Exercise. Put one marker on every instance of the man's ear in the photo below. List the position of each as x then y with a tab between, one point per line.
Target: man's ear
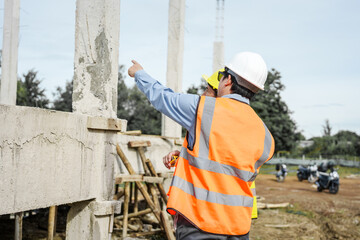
228	81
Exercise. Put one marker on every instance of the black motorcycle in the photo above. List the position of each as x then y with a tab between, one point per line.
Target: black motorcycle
281	172
309	173
329	181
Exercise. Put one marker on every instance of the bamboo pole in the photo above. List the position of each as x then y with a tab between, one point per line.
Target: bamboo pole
154	195
18	225
131	215
139	185
167	226
136	201
143	160
126	209
160	186
52	222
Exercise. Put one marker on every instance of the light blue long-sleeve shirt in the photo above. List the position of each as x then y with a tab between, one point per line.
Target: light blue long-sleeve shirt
178	106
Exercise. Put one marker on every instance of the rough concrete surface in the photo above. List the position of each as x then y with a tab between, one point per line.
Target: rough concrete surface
96	57
49	158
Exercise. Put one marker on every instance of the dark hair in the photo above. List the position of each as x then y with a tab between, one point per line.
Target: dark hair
215	90
238	89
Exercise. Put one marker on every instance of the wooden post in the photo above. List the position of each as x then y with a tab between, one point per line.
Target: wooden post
160	186
143	160
126	209
167	226
136	201
18	225
154	195
139	185
52	222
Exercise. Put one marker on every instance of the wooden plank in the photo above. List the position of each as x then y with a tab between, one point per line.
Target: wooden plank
126	209
178	142
128	178
138	178
139	185
272	205
167	226
132	133
139	144
110	124
153	179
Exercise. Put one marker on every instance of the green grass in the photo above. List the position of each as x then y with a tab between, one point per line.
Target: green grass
297	210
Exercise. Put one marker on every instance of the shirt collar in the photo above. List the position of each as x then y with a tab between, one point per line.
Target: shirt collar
238	97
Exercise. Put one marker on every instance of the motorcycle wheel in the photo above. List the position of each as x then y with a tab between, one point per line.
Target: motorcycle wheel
311	179
299	176
280	178
319	188
334	188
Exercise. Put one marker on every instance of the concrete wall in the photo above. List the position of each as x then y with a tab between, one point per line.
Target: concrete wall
50	158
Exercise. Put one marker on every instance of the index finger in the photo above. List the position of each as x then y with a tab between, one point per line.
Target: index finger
134	62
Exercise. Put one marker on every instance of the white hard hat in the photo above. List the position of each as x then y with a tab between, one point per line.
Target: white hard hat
251	67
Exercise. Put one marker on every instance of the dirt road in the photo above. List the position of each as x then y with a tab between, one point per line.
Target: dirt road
312	215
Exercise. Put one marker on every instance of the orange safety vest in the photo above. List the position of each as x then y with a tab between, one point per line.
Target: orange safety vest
212	178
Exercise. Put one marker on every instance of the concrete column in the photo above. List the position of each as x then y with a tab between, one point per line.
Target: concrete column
96	57
95	94
10	52
174	60
218	56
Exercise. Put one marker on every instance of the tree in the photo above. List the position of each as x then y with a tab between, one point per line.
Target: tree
327	128
123	95
197	89
29	92
63	98
134	106
270	107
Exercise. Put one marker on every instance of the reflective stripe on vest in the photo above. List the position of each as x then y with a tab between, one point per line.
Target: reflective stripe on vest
209	196
212	166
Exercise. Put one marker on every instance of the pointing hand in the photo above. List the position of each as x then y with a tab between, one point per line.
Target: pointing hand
134	68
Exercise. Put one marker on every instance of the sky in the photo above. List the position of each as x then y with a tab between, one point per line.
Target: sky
315	45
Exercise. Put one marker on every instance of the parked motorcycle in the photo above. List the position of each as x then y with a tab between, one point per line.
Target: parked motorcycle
310	173
281	172
329	181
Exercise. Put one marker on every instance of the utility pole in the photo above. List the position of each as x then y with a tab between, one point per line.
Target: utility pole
218	51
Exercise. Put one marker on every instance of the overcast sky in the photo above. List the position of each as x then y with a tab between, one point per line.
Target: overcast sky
315	45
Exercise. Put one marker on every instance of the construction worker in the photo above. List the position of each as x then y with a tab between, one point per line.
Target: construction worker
224	148
210	91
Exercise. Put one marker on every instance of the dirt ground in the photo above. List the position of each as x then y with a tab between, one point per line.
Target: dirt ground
311	215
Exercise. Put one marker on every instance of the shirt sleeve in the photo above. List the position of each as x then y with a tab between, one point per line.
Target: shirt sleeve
178	106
